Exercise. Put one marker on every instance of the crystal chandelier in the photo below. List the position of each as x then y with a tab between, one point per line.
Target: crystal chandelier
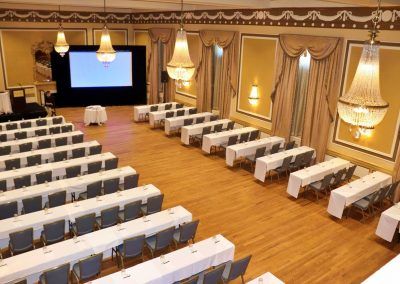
106	52
181	67
362	106
254	96
61	46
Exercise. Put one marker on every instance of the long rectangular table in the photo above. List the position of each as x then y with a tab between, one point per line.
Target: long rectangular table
389	223
30	132
47	154
347	194
49	121
270	162
30	264
196	129
237	151
70	211
216	139
74	185
57	168
177	265
35	140
314	173
175	123
139	111
159	115
387	274
267	278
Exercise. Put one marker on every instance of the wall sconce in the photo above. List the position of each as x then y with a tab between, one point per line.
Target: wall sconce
254	97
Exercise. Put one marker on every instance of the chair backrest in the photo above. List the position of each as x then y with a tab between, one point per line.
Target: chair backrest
206	130
3	137
132	210
391	193
260	152
41	122
5	150
350	172
40	132
20	182
78	153
200	119
187	231
232	140
133	246
93	189
275	148
60	156
214	117
218	127
94	167
34	160
57	199
244	137
43	177
25	147
3	185
169	114
44	144
21	241
90	266
66	128
32	204
109	217
180	112
326	181
231	125
153	108
111	164
286	163
55	130
164	238
290	145
20	135
338	176
375	197
59	275
85	224
193	111
178	106
77	138
298	160
214	276
238	268
8	210
307	159
25	124
13	164
111	185
57	120
11	126
254	135
188	121
54	231
61	141
73	171
95	150
131	181
154	204
167	106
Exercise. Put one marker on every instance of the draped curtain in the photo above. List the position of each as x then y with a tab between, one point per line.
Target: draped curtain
396	174
229	42
167	38
322	89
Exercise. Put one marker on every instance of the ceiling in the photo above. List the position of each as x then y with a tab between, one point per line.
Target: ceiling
171	5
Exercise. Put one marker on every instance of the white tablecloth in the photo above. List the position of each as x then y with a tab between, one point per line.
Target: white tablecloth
179	265
95	114
315	173
5	103
57	168
35	140
388	223
71	185
249	148
70	211
30	132
158	115
270	162
216	139
351	192
138	111
47	154
268	278
175	123
32	263
49	120
387	274
196	129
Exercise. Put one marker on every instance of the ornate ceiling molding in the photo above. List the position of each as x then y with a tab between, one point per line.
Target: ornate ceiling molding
348	18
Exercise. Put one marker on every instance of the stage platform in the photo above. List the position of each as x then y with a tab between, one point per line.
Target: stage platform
32	110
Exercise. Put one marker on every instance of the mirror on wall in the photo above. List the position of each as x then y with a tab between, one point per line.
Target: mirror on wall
41	61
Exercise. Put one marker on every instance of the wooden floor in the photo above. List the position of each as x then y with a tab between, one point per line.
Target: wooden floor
294	239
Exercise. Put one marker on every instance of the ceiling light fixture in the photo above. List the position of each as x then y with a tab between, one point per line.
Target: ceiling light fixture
61	46
106	53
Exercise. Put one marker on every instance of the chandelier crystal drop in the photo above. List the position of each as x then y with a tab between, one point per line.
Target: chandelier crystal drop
61	46
362	106
181	67
106	53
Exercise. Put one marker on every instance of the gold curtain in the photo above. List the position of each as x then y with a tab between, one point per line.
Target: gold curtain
322	90
229	42
167	38
396	174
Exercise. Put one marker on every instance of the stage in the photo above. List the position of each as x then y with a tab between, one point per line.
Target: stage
31	110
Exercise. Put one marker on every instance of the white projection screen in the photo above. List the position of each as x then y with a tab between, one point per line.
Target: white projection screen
87	72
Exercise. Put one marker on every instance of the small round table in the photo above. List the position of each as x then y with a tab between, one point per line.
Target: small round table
95	114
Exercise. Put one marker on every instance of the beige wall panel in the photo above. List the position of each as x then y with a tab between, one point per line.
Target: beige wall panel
118	37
